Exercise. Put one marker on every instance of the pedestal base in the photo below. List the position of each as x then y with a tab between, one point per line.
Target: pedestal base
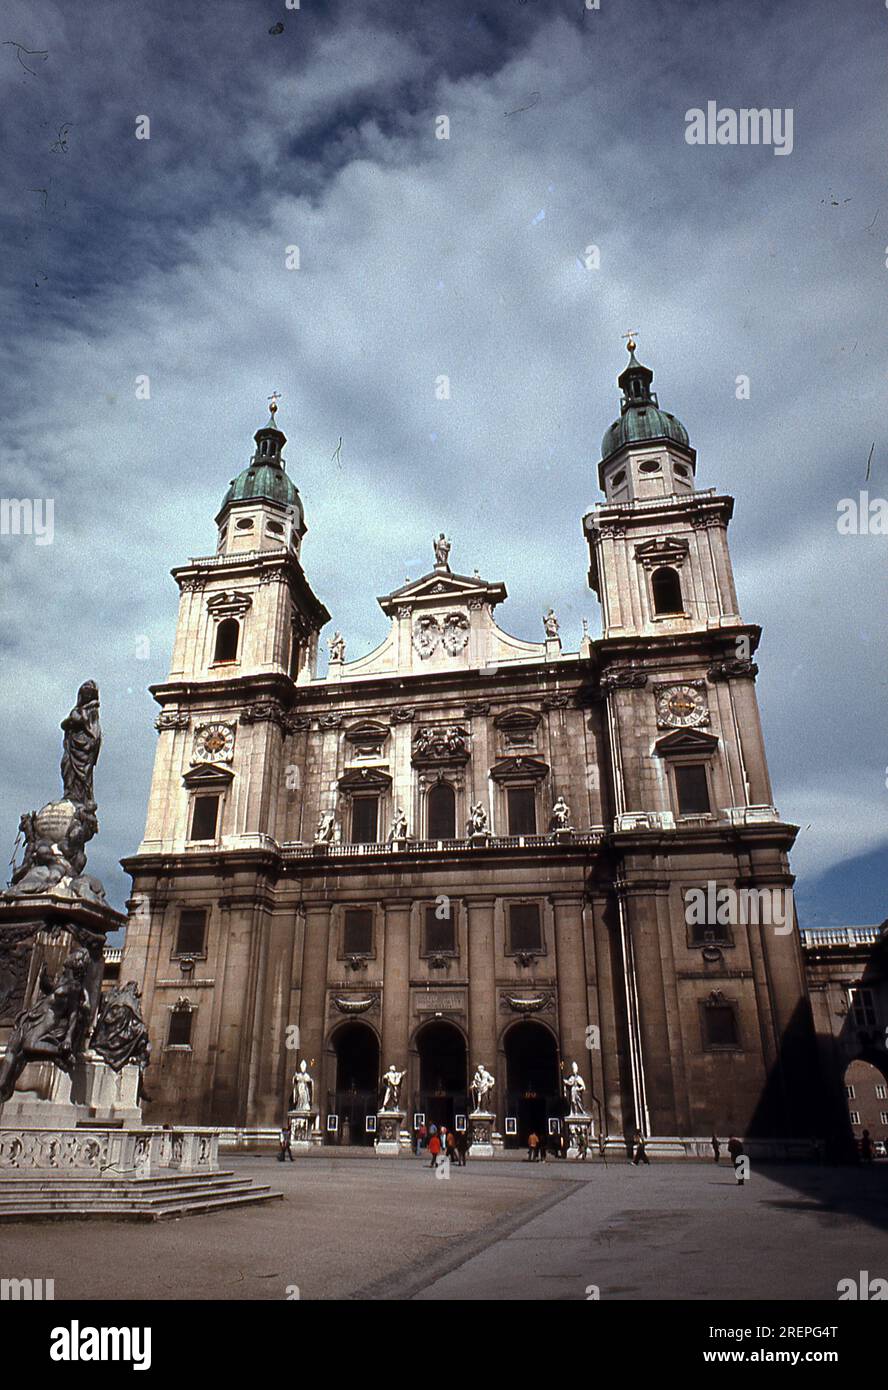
389	1124
481	1124
301	1126
95	1094
580	1131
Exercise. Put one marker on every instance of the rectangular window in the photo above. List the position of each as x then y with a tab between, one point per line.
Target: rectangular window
204	817
440	931
855	1117
191	932
711	908
522	811
365	820
692	789
357	936
179	1034
862	1007
849	1092
883	1117
525	928
881	1093
720	1024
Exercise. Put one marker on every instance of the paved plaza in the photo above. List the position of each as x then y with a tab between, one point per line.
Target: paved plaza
360	1227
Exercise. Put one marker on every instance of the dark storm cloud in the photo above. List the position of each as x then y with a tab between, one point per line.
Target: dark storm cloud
165	257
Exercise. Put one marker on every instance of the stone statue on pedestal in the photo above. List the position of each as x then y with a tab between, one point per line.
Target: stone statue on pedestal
550	623
477	822
574	1086
53	838
482	1085
52	1029
303	1088
326	831
399	826
442	551
392	1098
560	819
337	647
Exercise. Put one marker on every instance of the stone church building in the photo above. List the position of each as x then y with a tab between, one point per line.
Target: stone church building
308	886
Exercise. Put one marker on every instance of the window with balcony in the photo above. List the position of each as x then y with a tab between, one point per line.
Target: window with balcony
521	804
441	812
365	820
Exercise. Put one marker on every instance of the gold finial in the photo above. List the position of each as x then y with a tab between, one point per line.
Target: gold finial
630	340
272	403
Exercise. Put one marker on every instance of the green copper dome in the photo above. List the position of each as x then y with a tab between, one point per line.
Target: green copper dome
641	419
264	478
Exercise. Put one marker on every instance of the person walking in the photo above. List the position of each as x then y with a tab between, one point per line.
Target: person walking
533	1144
434	1147
542	1148
462	1147
867	1149
286	1152
450	1147
421	1135
716	1148
640	1150
738	1158
582	1145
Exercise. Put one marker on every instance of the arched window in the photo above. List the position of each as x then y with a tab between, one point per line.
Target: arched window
666	588
227	637
441	812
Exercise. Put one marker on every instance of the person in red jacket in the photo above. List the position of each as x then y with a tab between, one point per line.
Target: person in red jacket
434	1147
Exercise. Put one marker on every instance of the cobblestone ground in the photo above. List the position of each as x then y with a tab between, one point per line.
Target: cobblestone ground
353	1227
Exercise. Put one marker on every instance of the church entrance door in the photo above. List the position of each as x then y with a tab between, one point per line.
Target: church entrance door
442	1074
533	1093
357	1082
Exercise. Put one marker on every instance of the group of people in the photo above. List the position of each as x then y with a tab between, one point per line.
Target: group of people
442	1144
539	1147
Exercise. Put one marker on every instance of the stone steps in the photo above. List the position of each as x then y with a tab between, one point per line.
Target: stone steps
122	1199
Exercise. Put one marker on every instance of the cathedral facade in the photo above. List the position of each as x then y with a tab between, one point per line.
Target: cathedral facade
464	848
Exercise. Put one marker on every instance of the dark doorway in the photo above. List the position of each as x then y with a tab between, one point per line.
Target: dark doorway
441	807
533	1089
442	1074
357	1082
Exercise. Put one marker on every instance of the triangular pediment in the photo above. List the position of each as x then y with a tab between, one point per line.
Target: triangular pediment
519	769
442	586
662	550
208	775
686	741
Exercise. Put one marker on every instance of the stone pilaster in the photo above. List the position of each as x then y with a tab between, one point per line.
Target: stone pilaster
313	998
396	983
482	990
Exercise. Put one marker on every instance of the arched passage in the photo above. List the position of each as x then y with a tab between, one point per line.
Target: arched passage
357	1081
443	1084
533	1079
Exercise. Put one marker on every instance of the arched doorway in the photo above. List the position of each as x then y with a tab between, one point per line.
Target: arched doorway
443	1085
866	1092
533	1079
357	1082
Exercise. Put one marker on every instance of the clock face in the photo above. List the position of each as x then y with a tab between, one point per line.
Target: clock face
681	706
214	743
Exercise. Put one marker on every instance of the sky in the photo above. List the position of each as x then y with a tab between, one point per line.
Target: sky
169	258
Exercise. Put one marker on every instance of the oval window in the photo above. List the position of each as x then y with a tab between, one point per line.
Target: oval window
245	523
649	466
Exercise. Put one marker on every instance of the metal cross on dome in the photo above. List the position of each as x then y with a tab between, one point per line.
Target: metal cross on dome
630	340
272	402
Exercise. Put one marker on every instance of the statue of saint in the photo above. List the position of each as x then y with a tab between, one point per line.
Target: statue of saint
560	815
482	1085
392	1078
399	826
477	822
550	623
337	647
83	739
53	1028
326	831
303	1088
442	551
120	1034
574	1086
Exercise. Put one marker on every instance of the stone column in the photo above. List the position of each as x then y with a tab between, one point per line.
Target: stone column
396	985
482	991
570	958
656	1051
313	997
